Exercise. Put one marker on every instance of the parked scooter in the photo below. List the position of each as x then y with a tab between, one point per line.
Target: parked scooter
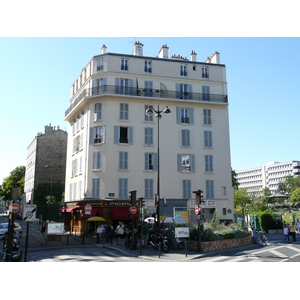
156	238
14	256
179	244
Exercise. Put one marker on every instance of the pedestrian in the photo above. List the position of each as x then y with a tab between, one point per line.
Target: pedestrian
119	232
293	230
298	226
254	233
109	233
145	233
286	233
43	229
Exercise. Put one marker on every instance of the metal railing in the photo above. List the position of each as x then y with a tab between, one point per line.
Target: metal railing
145	92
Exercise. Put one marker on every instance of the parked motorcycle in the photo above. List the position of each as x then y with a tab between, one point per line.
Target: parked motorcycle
14	256
156	238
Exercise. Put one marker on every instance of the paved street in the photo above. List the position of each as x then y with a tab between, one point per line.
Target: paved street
75	251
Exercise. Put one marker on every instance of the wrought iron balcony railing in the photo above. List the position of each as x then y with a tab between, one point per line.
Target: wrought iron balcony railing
142	92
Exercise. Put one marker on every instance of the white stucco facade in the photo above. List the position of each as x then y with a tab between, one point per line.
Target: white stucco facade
113	145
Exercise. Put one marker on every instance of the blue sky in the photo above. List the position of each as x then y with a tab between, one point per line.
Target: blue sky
262	75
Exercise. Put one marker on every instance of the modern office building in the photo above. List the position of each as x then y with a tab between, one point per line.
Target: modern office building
115	147
45	161
256	179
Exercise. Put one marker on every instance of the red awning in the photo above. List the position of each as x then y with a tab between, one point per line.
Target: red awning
92	214
122	213
68	209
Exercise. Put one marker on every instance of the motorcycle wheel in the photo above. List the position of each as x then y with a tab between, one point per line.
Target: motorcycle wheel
180	246
165	248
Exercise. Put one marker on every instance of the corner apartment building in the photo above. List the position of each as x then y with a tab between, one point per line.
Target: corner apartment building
113	144
46	160
256	179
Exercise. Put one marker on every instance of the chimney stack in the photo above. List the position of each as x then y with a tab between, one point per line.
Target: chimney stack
138	48
103	49
163	52
193	56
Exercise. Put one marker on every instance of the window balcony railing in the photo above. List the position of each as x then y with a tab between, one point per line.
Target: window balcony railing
144	92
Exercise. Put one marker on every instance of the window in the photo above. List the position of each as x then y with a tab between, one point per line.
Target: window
148	88
71	192
96	188
123	160
209	163
123	135
79	189
98	112
207	139
80	165
185	138
205	93
209	189
124	113
148	136
124	64
74	167
97	160
149	189
186	189
148	67
150	161
75	190
77	143
124	86
97	135
204	72
207	117
185	115
100	65
183	70
98	86
186	162
223	190
148	118
184	91
224	211
123	188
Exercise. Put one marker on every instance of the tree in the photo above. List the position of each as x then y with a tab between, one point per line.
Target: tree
289	184
241	199
235	183
295	197
16	176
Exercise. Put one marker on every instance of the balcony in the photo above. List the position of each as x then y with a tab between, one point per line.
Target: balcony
144	92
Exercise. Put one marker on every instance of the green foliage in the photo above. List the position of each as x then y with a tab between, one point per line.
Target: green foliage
267	221
235	183
44	191
295	197
16	176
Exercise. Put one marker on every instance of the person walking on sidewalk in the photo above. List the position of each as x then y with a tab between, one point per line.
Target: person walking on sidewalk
286	233
145	233
293	230
119	232
298	226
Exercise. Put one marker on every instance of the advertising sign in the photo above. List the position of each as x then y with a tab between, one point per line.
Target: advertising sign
208	204
55	228
182	232
181	217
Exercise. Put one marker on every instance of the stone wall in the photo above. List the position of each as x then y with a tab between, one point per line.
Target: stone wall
222	244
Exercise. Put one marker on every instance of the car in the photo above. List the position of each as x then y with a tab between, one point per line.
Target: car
4	229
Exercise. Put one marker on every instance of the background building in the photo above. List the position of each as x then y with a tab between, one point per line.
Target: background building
113	144
256	179
46	163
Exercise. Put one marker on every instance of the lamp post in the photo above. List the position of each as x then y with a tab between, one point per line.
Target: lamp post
149	112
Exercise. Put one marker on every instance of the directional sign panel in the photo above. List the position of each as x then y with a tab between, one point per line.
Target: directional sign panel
29	213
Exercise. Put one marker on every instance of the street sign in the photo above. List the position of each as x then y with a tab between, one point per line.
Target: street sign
88	209
133	210
29	213
14	207
196	210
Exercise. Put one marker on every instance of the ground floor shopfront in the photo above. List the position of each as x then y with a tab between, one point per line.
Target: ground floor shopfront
76	216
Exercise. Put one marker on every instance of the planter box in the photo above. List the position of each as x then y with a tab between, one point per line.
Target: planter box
222	244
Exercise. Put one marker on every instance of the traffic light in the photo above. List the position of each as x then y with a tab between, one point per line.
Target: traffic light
142	201
133	197
14	191
198	196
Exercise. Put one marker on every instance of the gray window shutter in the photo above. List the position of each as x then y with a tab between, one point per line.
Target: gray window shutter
192	116
91	135
117	85
178	114
130	135
155	162
179	162
146	156
192	162
116	134
190	91
177	87
131	87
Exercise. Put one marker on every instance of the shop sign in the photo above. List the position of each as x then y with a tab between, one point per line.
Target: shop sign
208	204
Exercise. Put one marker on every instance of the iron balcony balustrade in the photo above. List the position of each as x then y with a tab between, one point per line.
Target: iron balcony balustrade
145	92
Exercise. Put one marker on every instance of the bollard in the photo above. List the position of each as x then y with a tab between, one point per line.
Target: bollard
98	237
159	247
185	246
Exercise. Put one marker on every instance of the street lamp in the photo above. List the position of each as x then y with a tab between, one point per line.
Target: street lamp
149	112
